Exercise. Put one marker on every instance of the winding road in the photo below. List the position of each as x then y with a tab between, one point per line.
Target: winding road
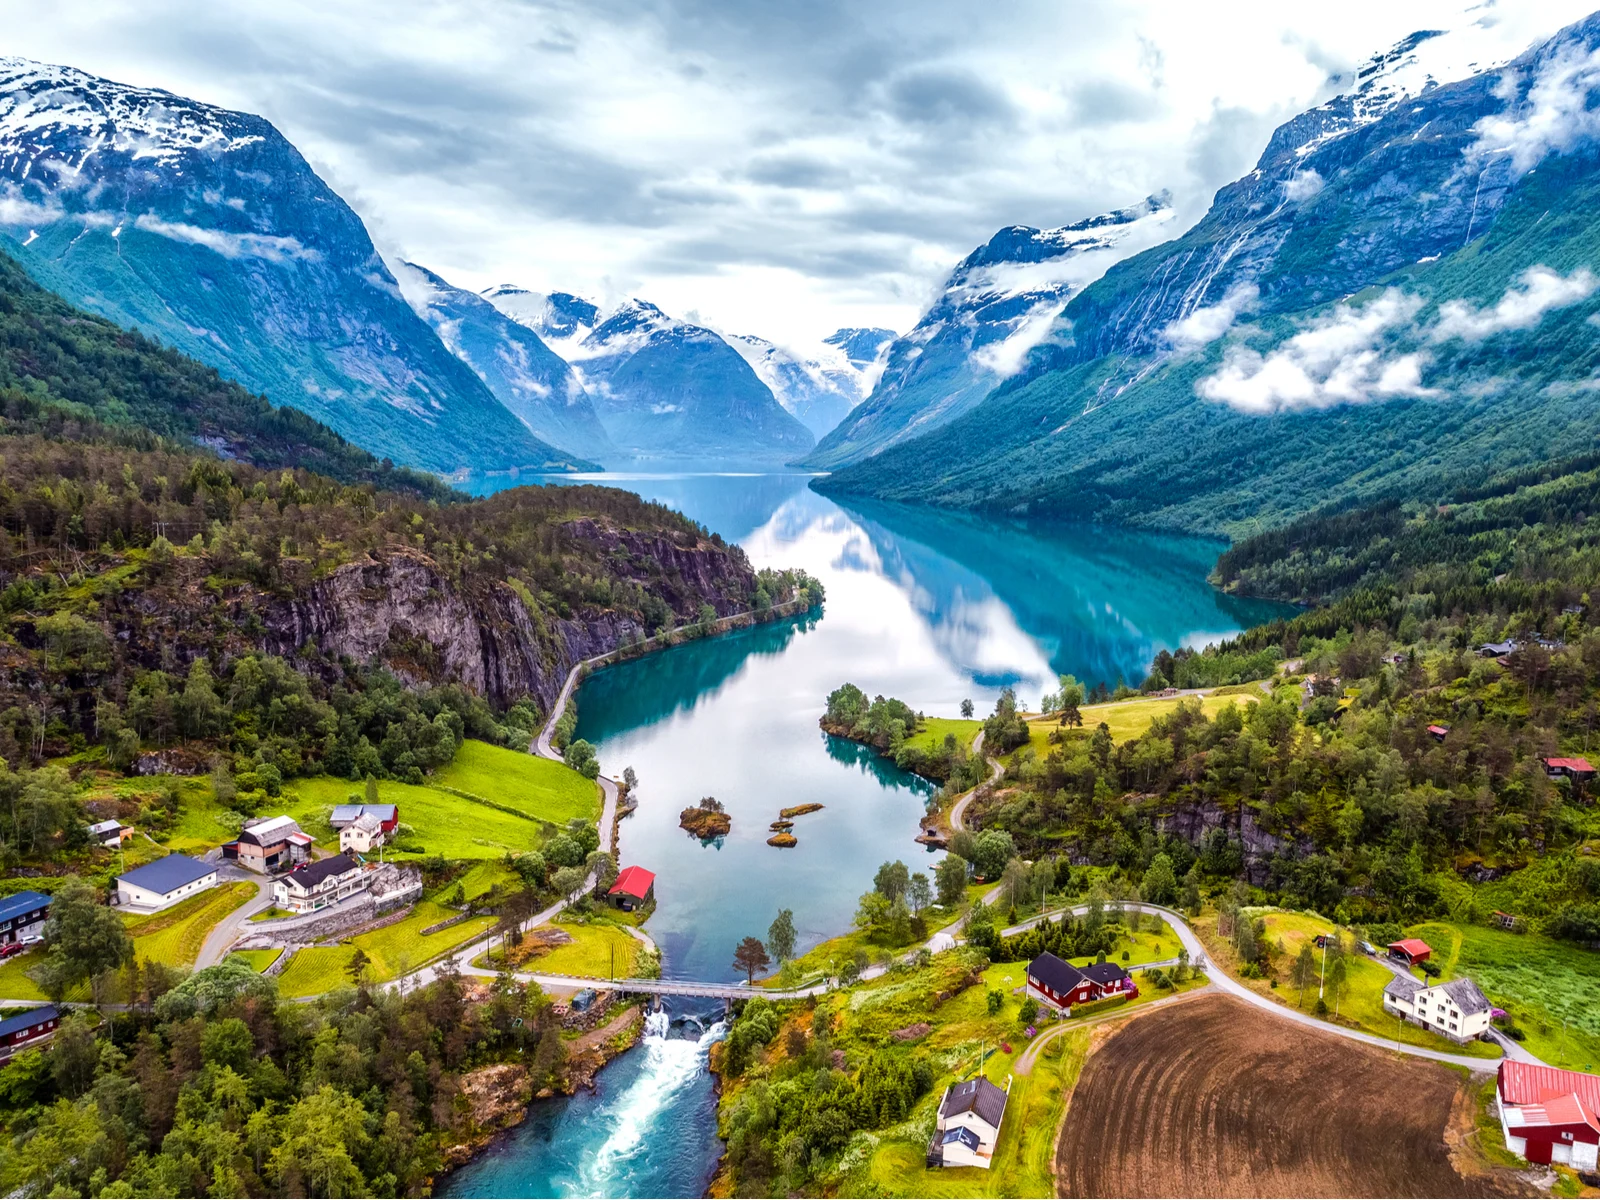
958	811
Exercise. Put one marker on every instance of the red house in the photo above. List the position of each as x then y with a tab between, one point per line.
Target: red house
633	888
1576	769
1059	984
25	1028
1550	1115
1438	732
1410	951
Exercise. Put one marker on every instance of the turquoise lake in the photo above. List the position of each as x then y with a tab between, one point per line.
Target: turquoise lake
930	606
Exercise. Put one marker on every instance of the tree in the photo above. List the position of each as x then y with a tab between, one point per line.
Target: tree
873	910
1304	972
780	935
966	709
82	938
200	710
356	968
1336	980
991	851
919	893
630	778
580	756
897	925
892	880
1160	882
1014	883
750	956
569	881
951	877
371	790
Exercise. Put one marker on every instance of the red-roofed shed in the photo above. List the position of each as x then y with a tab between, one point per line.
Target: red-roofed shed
1550	1115
633	888
1410	950
1439	731
1577	769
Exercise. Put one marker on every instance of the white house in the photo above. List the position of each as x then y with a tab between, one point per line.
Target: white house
363	835
968	1129
107	833
1549	1115
319	884
165	882
1456	1010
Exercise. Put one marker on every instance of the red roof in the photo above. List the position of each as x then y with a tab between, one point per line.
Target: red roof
1438	730
1412	948
634	881
1557	1111
1568	764
1530	1083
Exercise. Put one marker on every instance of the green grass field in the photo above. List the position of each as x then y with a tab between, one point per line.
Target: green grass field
932	734
590	952
15	983
1541	982
445	823
394	950
174	937
1127	718
259	960
481	878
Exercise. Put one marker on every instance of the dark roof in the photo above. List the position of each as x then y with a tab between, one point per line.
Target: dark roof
976	1096
28	1020
1406	986
311	874
1467	996
168	874
961	1134
1060	977
22	903
1104	973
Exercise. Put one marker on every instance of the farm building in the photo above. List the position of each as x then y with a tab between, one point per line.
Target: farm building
166	881
1061	985
1438	732
363	835
1410	951
268	845
317	885
633	889
22	916
347	814
1457	1010
968	1128
107	833
1549	1115
27	1028
1576	769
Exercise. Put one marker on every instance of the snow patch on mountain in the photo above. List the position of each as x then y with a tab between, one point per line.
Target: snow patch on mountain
819	385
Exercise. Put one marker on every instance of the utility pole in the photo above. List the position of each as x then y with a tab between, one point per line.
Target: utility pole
1321	983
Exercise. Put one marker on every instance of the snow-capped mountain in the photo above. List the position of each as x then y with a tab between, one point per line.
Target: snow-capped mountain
524	374
1402	292
207	229
1001	302
820	389
662	387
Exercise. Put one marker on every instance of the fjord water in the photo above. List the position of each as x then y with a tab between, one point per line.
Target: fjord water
930	606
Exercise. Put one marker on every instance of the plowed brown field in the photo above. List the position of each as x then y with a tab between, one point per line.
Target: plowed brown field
1213	1098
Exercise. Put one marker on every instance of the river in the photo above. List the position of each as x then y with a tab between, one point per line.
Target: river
930	606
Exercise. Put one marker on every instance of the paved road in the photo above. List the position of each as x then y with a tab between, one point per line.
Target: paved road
544	747
226	931
958	811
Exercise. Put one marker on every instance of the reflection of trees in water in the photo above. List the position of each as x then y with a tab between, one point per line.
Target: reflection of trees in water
645	690
870	762
1100	602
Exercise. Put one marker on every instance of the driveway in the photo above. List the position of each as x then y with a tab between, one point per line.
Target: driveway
226	931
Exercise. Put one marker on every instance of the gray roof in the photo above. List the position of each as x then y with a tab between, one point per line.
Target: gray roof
310	875
1105	973
343	814
976	1096
168	874
1061	977
1404	986
1467	996
105	826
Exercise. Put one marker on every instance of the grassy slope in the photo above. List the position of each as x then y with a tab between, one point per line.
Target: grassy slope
932	734
590	952
393	950
259	960
1126	719
174	937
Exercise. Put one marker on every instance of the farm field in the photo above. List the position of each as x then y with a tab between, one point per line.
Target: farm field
174	937
1126	718
393	950
932	734
537	791
1359	1006
600	949
1539	981
1212	1098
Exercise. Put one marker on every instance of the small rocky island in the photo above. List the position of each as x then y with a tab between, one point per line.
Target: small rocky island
706	820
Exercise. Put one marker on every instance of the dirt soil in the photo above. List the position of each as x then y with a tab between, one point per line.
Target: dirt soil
1213	1098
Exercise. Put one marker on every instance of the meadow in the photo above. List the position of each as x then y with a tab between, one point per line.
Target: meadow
174	937
393	950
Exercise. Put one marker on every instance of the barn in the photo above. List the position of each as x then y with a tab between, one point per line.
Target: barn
634	888
163	883
1549	1115
1410	951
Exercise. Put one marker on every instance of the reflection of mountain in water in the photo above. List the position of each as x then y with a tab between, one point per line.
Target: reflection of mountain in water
1099	602
659	686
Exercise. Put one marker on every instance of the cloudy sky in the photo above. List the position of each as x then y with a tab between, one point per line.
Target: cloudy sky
776	168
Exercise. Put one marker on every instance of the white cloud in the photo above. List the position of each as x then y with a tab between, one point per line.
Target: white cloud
1007	357
1302	185
1206	324
1338	359
229	245
1554	117
14	210
1538	291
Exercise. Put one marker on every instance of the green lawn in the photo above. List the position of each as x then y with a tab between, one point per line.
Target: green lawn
481	878
590	952
394	950
1540	981
539	787
930	738
174	937
14	981
1128	718
259	960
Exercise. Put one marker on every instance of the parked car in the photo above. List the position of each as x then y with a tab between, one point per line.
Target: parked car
10	948
1368	948
33	939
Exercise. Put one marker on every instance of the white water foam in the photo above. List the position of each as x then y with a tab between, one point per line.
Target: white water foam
670	1065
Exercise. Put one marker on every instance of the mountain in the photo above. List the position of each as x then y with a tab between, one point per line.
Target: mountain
1399	294
662	387
998	304
206	229
524	374
821	389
